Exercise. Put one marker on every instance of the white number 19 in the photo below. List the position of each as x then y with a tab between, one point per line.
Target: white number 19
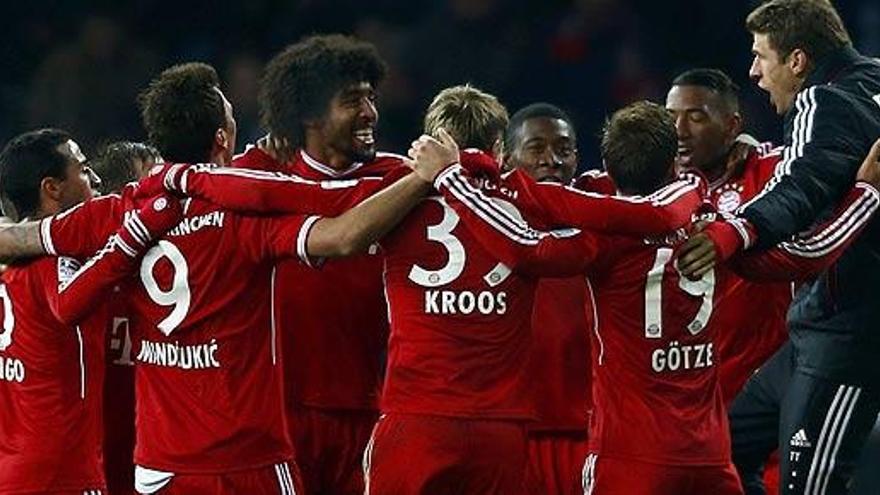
704	287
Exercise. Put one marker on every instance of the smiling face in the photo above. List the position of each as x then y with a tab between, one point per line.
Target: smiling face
546	149
775	74
705	128
348	128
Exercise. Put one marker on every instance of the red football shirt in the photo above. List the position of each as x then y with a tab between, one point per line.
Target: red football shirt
208	382
51	376
460	322
560	360
337	311
119	395
750	316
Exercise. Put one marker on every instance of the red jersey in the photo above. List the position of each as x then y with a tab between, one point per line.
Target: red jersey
560	359
745	339
460	322
750	316
208	382
51	376
337	311
119	395
655	390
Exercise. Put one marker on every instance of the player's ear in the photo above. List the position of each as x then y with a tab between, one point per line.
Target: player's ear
799	63
221	138
50	188
734	126
498	149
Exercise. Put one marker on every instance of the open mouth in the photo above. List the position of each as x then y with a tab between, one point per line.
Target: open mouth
684	152
550	178
365	136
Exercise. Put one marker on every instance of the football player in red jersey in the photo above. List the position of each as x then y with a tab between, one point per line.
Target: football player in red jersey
541	141
659	425
52	371
705	105
318	96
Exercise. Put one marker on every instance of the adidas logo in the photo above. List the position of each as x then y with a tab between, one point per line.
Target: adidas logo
800	440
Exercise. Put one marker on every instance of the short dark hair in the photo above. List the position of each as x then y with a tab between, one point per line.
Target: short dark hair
474	118
814	26
638	147
114	163
533	111
25	162
182	110
299	82
715	80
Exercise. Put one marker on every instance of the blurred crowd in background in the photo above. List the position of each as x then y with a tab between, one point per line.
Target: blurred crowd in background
79	65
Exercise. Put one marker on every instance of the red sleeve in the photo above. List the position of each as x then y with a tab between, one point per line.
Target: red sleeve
82	230
810	253
276	237
80	289
255	191
500	227
665	210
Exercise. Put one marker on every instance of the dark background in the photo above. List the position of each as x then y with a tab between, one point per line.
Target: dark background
79	65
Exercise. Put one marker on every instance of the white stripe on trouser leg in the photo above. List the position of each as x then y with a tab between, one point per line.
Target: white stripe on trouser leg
282	480
836	425
840	434
833	412
289	479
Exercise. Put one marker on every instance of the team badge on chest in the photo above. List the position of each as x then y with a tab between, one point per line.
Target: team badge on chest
728	201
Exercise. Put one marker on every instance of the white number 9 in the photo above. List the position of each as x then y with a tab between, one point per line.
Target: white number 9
179	295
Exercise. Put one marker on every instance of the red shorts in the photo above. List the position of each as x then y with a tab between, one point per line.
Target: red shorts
430	455
555	461
329	446
609	476
277	479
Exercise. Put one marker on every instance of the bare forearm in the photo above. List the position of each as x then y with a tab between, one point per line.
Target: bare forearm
356	229
20	240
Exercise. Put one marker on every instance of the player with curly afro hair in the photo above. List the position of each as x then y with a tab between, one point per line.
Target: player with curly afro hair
320	95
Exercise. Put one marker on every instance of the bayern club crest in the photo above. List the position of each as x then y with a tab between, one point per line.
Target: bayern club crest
729	201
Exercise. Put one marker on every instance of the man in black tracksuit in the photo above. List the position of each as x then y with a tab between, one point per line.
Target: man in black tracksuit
830	96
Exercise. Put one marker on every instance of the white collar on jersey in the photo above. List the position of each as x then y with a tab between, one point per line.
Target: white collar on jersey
324	169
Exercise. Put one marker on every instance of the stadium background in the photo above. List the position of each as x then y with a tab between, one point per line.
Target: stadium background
79	65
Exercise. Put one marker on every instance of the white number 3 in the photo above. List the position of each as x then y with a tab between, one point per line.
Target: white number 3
179	295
